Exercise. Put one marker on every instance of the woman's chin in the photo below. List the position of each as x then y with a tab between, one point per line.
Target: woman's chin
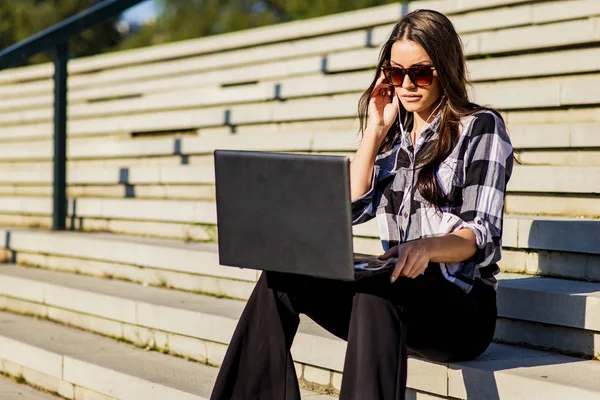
413	107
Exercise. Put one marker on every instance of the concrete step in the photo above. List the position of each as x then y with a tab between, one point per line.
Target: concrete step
527	233
304	98
196	221
525	178
464	14
10	389
184	324
195	266
559	314
556	130
335	96
175	322
148	192
170	77
555	205
167	60
516	17
533	203
579	158
166	262
190	266
80	365
569	306
556	264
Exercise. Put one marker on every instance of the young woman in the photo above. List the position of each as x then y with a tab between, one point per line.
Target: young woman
432	168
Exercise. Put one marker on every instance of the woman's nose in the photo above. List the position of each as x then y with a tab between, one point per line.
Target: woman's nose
407	83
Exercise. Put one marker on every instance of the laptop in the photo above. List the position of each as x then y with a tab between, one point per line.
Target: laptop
288	213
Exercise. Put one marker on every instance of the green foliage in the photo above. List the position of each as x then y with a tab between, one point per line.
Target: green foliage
186	19
177	20
23	18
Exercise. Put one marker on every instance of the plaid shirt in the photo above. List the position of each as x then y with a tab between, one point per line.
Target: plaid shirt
474	176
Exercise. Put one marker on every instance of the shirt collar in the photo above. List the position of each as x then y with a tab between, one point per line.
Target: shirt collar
432	131
430	134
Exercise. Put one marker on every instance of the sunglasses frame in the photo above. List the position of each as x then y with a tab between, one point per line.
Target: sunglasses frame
407	71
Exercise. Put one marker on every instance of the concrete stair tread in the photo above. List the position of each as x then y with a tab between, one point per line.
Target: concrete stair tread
536	374
200	303
506	365
164	297
94	349
176	243
550	285
520	232
232	309
560	302
11	390
547	291
582	240
131	363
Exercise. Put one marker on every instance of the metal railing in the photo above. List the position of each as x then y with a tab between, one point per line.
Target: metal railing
56	38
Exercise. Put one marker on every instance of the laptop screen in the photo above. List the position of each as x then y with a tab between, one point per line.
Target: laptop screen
284	212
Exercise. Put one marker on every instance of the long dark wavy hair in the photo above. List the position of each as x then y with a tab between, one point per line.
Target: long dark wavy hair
436	34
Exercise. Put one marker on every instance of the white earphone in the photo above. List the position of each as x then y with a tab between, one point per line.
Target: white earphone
414	144
400	122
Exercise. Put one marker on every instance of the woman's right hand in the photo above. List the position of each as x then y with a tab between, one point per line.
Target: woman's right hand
383	106
383	109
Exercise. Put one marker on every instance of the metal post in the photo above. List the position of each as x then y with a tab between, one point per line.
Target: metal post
59	213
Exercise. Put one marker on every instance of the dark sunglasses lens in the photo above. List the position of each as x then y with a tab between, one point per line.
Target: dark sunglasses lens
395	76
423	76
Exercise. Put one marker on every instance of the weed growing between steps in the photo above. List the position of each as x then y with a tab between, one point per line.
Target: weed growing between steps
150	346
218	296
20	379
209	229
318	388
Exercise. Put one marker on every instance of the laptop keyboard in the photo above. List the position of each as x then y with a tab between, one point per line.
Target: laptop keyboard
371	263
359	258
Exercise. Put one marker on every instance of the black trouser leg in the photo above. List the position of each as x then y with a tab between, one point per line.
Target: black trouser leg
375	366
258	364
428	315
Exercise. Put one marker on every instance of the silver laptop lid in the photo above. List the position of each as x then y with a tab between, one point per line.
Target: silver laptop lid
285	212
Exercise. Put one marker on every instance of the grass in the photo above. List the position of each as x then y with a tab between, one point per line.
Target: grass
209	229
20	379
318	388
215	295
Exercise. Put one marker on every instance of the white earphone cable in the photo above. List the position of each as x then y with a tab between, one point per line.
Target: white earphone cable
414	144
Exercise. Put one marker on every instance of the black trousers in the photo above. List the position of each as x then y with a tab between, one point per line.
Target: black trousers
383	323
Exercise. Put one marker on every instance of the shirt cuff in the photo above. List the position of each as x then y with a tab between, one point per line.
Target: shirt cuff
370	192
452	223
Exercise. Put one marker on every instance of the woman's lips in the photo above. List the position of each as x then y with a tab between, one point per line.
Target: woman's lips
411	97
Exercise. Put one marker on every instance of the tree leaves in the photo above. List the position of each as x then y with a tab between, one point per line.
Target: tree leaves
187	19
24	18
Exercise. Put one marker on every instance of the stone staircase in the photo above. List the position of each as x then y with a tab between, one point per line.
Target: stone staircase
132	302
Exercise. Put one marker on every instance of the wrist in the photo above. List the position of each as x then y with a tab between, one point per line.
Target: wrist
429	247
378	132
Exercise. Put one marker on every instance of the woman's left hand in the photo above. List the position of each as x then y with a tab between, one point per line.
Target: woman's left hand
413	258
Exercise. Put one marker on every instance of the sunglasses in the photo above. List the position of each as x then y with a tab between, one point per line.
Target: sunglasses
421	75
